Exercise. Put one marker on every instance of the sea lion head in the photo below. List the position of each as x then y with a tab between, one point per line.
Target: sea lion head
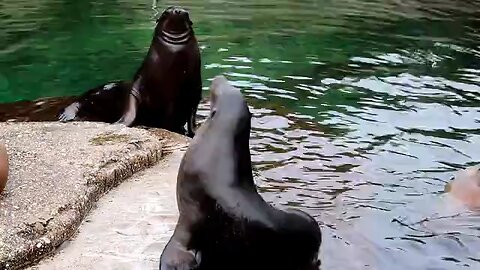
227	129
228	109
174	26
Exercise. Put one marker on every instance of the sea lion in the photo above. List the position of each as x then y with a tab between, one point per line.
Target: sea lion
3	167
466	187
224	223
166	89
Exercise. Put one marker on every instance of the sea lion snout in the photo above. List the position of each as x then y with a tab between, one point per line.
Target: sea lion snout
174	21
229	102
221	87
215	89
176	11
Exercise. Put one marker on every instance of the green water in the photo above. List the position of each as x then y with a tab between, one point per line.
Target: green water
363	110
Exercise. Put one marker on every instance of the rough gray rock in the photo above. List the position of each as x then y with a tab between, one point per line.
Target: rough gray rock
57	172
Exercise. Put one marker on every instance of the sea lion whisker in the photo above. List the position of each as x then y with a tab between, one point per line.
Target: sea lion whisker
176	38
179	35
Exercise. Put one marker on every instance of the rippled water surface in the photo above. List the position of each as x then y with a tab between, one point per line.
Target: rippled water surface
363	110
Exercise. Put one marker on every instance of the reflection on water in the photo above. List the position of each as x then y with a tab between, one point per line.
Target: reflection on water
362	109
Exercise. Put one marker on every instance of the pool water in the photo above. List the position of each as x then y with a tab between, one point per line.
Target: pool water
363	110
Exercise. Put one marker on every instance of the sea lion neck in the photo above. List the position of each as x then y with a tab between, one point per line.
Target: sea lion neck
212	141
243	158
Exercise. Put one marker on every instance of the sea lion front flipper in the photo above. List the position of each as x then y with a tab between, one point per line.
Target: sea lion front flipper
177	257
129	116
134	100
195	84
69	113
192	123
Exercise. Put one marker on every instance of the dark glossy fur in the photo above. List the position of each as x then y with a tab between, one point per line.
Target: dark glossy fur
224	223
166	89
104	103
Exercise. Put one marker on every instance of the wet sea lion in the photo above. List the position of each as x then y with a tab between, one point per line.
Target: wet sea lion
224	223
166	89
466	187
3	167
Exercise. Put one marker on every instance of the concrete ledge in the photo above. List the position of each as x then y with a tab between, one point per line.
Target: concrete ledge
58	171
129	227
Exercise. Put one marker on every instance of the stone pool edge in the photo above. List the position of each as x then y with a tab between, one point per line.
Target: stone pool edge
61	227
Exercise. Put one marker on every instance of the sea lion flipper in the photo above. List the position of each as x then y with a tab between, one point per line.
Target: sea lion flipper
69	113
197	85
177	257
134	100
192	123
129	116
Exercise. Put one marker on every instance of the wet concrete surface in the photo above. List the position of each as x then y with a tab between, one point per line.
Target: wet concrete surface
130	225
57	172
